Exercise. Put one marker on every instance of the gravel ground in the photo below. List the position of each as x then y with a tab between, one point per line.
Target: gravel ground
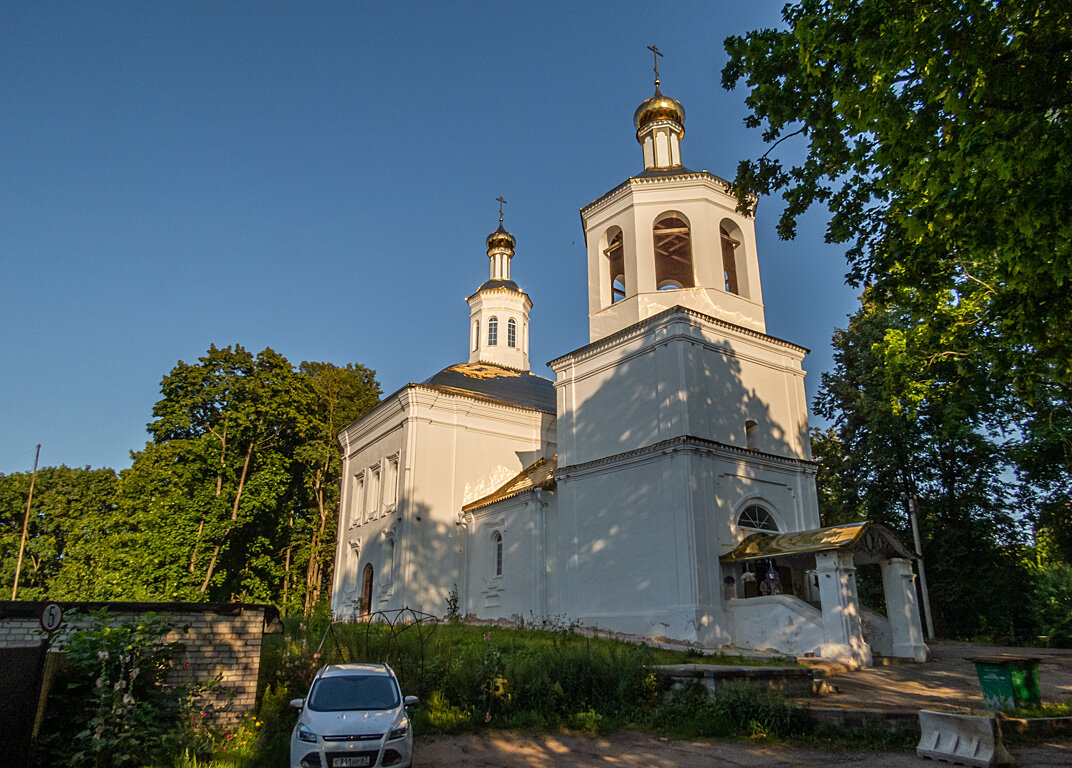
636	750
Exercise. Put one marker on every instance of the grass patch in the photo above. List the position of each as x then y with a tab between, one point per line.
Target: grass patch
474	677
1058	709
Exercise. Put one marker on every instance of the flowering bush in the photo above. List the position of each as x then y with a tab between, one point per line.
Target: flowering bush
111	706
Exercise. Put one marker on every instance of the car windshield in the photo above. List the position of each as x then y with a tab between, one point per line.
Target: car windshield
336	694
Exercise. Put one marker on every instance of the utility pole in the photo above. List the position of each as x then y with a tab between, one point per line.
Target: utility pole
913	514
25	524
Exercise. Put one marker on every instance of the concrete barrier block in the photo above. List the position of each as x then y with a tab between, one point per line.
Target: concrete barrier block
962	739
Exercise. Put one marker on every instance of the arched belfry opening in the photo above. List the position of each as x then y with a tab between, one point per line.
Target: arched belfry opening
673	253
614	251
730	236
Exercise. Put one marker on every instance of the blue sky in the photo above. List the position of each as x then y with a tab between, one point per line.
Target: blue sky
319	178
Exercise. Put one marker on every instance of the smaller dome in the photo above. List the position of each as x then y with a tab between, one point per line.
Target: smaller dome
500	238
658	107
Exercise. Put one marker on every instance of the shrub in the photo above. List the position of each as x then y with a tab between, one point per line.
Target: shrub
111	704
736	709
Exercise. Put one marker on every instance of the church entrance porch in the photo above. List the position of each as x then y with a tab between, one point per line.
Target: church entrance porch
797	593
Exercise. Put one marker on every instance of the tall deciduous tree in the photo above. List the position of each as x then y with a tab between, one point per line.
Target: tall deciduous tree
937	135
924	429
338	396
70	506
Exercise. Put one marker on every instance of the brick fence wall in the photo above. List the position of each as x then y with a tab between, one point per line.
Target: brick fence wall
221	639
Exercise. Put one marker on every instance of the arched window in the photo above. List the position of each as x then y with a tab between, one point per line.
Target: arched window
730	244
493	331
756	518
750	433
497	544
476	334
616	264
511	333
366	591
673	254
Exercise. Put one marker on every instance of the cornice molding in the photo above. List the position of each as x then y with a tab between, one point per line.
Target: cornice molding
716	182
642	326
685	443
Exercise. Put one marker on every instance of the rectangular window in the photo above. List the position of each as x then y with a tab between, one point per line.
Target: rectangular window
390	482
374	493
357	500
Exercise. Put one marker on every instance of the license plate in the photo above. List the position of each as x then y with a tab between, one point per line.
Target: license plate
350	762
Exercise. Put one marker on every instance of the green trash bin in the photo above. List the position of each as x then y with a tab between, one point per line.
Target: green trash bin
1008	681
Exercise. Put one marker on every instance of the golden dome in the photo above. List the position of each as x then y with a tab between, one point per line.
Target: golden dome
658	107
500	238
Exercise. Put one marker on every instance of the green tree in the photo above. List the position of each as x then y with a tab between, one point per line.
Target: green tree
339	396
235	496
924	429
205	495
68	506
937	136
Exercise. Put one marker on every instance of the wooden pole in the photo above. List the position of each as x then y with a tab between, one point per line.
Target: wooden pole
25	524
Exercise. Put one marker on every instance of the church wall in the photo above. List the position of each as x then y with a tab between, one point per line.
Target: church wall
518	592
625	547
681	375
463	449
371	507
704	203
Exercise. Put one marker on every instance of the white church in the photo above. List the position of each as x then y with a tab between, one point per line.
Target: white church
662	485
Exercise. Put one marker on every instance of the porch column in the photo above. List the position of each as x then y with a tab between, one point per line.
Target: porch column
843	632
899	586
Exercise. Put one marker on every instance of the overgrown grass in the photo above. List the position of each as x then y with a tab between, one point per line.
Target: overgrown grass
474	677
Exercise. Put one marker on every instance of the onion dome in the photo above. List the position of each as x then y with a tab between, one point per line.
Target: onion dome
658	107
500	238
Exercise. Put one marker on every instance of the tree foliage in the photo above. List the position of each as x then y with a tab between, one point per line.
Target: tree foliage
886	446
937	136
69	509
234	498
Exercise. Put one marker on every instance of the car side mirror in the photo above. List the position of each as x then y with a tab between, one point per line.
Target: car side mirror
297	703
411	701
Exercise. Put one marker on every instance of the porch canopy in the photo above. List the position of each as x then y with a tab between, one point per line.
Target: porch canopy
869	543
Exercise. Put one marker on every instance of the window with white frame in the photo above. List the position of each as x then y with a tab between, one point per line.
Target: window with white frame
497	552
357	499
511	333
756	518
373	493
493	331
390	482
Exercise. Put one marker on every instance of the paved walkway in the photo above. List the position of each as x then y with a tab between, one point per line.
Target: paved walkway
947	682
639	750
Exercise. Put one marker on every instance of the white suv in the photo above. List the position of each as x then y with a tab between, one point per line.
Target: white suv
353	717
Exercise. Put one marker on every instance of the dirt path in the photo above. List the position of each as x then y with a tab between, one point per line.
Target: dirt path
637	750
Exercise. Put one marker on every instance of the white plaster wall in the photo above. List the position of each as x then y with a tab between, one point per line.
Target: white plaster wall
364	522
779	622
463	450
705	202
519	591
679	375
452	450
624	542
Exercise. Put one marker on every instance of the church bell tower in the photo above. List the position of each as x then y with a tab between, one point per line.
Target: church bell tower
669	236
499	309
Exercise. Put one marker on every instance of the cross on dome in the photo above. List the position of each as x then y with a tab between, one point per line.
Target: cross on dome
655	50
